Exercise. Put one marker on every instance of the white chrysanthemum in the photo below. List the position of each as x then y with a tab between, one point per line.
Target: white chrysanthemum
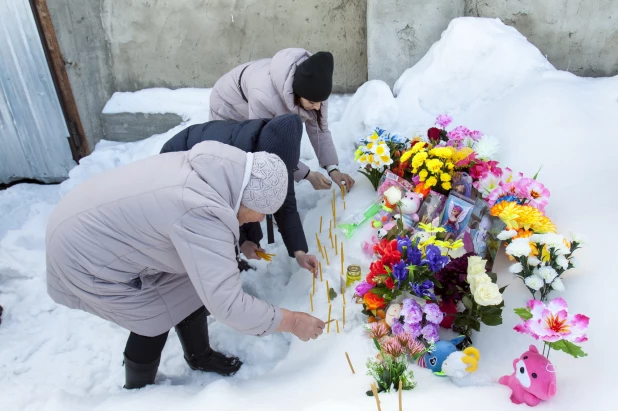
553	240
557	285
574	262
547	273
561	250
562	262
520	247
487	148
537	238
534	282
516	268
533	261
507	235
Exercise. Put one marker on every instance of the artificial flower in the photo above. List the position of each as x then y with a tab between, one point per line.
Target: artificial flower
400	272
552	322
476	265
447	185
485	168
533	261
476	281
486	294
431	181
443	120
424	290
445	177
534	283
434	134
433	313
557	284
378	330
363	287
392	347
430	333
373	301
507	235
516	268
389	283
442	152
434	258
547	273
487	147
535	192
411	311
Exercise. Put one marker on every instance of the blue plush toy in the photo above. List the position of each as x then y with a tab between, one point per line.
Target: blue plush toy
438	352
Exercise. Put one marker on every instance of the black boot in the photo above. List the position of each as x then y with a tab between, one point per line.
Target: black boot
139	375
193	335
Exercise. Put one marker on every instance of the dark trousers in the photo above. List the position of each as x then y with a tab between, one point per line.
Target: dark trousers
146	350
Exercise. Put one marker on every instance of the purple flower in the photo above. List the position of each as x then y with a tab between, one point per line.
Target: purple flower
403	242
362	288
412	329
458	133
433	313
476	135
430	333
443	120
434	258
400	272
414	256
423	290
397	328
411	311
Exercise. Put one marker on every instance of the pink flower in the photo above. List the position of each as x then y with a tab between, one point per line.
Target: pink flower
443	120
533	191
378	330
392	347
458	133
552	322
509	177
485	168
476	135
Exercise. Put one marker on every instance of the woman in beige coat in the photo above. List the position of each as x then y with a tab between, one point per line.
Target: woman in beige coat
293	81
151	246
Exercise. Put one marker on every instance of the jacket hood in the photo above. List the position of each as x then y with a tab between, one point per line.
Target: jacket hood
282	70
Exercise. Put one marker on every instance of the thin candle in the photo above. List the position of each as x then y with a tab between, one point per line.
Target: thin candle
337	324
342	258
327	293
320	224
336	242
320	265
317	239
313	285
326	254
311	301
328	322
343	315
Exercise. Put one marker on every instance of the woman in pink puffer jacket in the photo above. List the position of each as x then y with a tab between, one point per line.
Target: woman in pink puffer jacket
293	81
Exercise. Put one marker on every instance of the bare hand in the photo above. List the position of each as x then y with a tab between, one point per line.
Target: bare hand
248	248
302	325
318	180
307	261
339	178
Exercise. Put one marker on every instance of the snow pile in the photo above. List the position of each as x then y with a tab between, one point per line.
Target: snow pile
489	78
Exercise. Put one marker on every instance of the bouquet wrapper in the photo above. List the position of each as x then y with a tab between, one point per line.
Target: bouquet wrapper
390	179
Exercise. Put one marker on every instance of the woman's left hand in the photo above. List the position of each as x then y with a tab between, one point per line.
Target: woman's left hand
339	178
307	261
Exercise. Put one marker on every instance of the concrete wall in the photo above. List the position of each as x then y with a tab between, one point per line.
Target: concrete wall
580	36
400	32
191	43
86	54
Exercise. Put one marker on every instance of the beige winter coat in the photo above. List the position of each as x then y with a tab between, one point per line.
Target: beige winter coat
267	85
146	244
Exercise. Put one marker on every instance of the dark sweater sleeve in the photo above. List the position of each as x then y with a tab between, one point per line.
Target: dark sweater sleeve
288	221
250	232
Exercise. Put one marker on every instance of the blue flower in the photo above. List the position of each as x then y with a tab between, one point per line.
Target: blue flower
423	290
400	272
434	258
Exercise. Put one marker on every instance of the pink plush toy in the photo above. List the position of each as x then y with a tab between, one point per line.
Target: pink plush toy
368	246
409	206
534	378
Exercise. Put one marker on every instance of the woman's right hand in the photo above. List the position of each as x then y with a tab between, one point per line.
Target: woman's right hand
302	325
318	180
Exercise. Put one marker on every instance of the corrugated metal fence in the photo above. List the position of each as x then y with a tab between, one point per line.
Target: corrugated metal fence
33	132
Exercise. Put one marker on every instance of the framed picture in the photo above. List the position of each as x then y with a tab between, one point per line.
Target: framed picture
456	215
462	184
483	230
431	209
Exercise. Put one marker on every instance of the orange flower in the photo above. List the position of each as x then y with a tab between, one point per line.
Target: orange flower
373	302
421	189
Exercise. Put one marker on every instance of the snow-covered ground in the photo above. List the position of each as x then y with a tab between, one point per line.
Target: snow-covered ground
483	73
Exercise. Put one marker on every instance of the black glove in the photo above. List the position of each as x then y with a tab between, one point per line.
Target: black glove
244	265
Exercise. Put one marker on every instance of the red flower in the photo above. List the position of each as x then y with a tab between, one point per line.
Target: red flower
389	283
482	169
385	247
434	134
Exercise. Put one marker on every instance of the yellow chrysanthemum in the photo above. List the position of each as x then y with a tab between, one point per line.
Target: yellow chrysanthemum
418	147
419	159
544	225
447	185
434	165
405	156
445	177
423	175
450	165
431	181
442	152
508	212
461	154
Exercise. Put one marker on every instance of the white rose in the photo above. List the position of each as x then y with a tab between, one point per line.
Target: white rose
557	285
487	294
534	282
547	273
507	235
562	262
520	247
533	261
476	265
516	268
476	280
393	195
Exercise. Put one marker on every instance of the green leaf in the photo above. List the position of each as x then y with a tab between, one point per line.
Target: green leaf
537	173
502	289
493	276
491	320
377	344
524	313
475	325
569	348
467	302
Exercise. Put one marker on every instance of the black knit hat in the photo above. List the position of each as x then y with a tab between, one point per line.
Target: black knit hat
313	79
281	136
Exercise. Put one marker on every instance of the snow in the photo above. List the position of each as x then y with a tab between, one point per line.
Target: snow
483	73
